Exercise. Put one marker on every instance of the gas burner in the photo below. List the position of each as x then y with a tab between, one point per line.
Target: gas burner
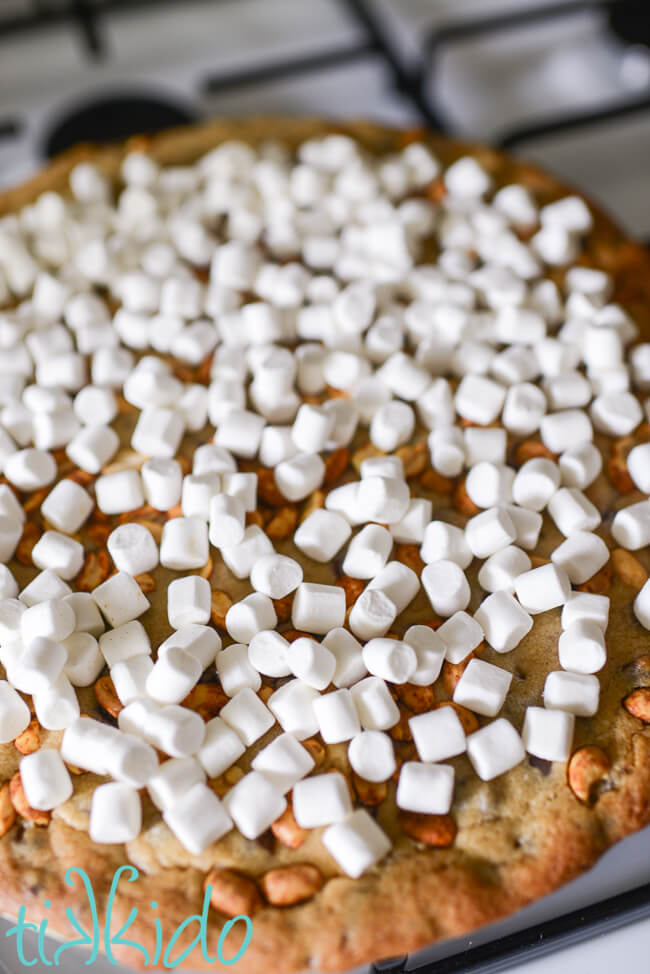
629	20
112	117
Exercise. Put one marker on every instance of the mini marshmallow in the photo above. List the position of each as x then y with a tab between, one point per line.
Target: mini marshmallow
372	756
499	571
337	716
254	804
188	601
535	483
39	665
115	814
445	542
276	445
52	619
276	576
53	430
172	780
318	608
46	585
548	734
527	524
184	545
45	779
248	716
221	747
284	762
130	678
398	582
235	670
495	749
384	499
372	614
162	483
322	534
8	584
133	549
297	477
58	552
344	500
438	734
641	606
616	413
524	409
376	708
158	433
240	432
581	556
565	430
124	642
488	485
320	800
120	599
311	428
91	449
580	466
446	586
460	634
581	647
67	506
490	531
572	511
382	467
631	526
57	706
172	729
567	391
209	458
587	606
11	611
483	687
410	529
197	818
347	653
14	713
254	613
293	707
392	425
356	843
30	469
575	692
543	588
197	493
10	534
227	521
404	377
202	642
243	486
119	492
311	662
94	405
638	466
368	552
479	399
430	653
425	788
87	744
504	621
390	659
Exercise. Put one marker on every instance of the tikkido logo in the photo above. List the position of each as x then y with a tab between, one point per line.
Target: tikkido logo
162	955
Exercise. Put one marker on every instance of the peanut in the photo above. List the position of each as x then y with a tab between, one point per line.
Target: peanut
18	800
206	699
96	569
364	453
282	525
353	587
618	475
7	810
336	465
463	502
369	792
267	488
31	534
30	739
287	885
401	730
146	582
417	699
233	893
316	749
220	603
414	459
637	704
207	569
409	555
287	831
435	830
587	766
283	607
106	696
530	449
628	568
315	502
598	584
432	480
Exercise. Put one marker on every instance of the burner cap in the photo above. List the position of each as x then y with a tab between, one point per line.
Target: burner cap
630	21
110	118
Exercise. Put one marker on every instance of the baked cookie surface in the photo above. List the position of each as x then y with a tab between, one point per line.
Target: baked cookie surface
504	842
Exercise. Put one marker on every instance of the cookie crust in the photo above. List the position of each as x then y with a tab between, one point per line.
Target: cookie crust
520	836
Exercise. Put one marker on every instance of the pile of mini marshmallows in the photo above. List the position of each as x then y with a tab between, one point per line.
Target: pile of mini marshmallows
314	282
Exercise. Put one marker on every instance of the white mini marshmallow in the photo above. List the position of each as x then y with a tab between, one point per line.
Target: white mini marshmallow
390	659
247	715
30	469
430	652
548	734
500	570
276	576
293	707
240	432
368	552
53	619
581	647
488	484
495	749
524	409
322	534
227	521
197	493
392	425
311	428
267	653
318	608
124	642
460	634
133	549
446	586
631	526
347	652
543	588
46	780
572	511
616	413
504	621
119	492
566	430
410	529
60	553
425	788
249	616
376	708
57	707
638	466
479	399
184	545
297	477
197	818
92	448
235	670
445	542
120	599
130	678
254	804
311	662
356	843
162	483
576	692
527	524
243	486
337	716
438	734
94	404
586	605
483	687
14	713
221	747
490	531
8	584
115	814
67	506
321	799
284	762
372	756
535	483
398	582
581	556
202	642
188	601
641	606
46	585
39	665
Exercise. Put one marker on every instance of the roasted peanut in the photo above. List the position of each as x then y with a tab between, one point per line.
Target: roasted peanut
414	459
618	475
529	450
369	792
206	699
146	582
432	480
316	749
315	502
31	534
7	810
637	704
283	608
587	766
232	893
409	554
30	739
417	699
96	569
336	465
267	488
598	584
287	885
282	525
287	831
435	830
628	568
207	569
106	696
353	587
220	602
463	502
18	800
401	730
